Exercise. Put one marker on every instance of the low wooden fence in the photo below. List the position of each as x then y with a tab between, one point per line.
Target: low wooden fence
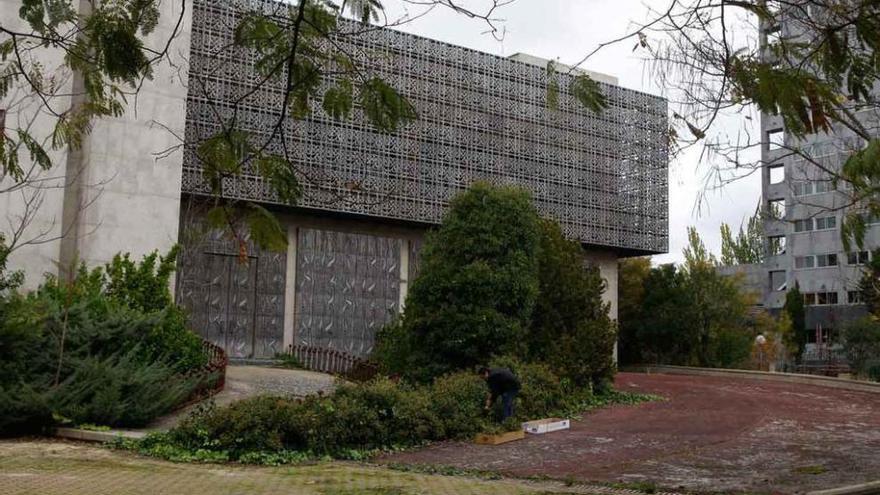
211	377
333	361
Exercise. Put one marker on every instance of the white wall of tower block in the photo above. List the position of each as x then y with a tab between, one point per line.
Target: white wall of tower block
127	198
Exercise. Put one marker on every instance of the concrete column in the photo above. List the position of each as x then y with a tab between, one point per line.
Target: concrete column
290	288
404	273
607	263
34	210
129	170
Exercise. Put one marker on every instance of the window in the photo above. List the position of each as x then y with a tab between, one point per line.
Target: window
854	297
776	245
777	280
859	258
801	262
820	298
776	208
777	173
808	188
803	225
822	186
775	139
826	223
826	298
824	260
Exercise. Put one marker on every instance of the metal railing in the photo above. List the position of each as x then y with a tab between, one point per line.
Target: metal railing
333	361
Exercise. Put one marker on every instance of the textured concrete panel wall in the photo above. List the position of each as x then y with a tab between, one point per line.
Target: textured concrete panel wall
41	201
130	200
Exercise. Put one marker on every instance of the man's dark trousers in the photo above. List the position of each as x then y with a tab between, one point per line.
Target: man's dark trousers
507	399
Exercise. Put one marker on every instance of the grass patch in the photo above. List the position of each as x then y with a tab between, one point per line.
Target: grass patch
377	490
640	486
815	470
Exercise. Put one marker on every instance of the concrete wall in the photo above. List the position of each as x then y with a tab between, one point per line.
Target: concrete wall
607	263
831	150
113	194
129	198
37	205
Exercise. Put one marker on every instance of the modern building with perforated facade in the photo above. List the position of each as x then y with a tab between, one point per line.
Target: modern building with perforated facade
355	236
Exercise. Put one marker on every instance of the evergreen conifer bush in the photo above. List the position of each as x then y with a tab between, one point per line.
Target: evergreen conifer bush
108	347
496	280
477	287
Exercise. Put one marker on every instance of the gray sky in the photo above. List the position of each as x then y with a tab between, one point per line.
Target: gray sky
567	30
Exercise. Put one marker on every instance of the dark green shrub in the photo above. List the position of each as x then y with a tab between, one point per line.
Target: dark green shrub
861	341
370	416
571	330
476	289
98	349
542	393
731	348
119	391
262	423
458	399
873	370
23	409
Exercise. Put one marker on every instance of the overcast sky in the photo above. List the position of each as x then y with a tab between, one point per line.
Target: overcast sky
567	30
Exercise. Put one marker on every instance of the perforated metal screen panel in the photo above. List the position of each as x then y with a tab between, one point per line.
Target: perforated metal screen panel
237	304
481	117
347	288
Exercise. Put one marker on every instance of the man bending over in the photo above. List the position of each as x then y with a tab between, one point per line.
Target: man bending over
502	383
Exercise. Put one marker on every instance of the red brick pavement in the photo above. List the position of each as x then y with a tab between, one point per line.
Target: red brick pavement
712	434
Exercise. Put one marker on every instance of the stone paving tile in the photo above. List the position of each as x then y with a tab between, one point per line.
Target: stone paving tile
40	467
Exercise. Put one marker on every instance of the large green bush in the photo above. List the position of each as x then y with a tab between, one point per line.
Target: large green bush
376	415
107	347
861	341
571	330
458	399
370	416
496	280
688	315
477	287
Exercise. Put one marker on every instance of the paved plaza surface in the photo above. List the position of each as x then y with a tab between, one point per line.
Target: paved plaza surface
43	467
243	382
712	434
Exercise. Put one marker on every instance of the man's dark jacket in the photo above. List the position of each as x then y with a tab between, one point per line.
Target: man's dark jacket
500	381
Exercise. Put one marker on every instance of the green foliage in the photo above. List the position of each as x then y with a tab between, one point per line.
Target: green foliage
690	316
748	247
588	93
861	340
108	51
107	347
8	280
794	308
357	421
376	415
120	389
477	287
458	399
570	329
862	172
631	276
542	393
491	262
869	284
